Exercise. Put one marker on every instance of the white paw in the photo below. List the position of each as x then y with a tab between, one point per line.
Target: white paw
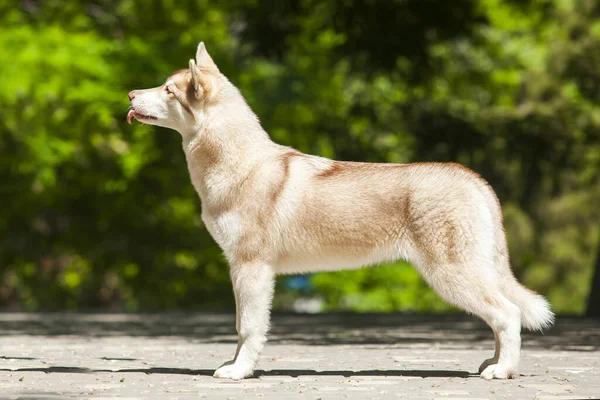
233	371
487	363
499	371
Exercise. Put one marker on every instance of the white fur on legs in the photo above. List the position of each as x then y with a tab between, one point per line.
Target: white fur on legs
506	323
253	287
493	360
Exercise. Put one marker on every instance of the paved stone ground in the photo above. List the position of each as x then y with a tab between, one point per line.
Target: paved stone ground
172	356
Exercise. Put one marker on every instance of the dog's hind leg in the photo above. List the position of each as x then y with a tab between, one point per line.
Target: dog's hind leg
466	287
253	288
505	320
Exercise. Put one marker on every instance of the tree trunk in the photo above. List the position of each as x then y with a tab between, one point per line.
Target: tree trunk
593	306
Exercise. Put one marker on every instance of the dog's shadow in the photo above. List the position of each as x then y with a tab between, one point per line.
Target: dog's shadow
294	373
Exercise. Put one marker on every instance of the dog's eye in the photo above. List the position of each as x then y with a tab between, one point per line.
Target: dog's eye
168	90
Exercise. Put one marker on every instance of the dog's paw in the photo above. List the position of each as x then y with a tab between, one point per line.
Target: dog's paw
487	363
498	371
233	371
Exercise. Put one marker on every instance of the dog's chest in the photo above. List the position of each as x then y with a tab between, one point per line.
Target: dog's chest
225	228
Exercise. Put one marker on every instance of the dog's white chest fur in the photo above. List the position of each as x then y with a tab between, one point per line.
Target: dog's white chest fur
226	229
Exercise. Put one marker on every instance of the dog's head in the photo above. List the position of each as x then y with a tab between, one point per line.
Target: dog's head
180	102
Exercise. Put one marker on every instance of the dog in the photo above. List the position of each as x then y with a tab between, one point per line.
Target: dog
274	210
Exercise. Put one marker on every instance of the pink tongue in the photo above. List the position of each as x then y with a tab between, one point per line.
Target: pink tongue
129	115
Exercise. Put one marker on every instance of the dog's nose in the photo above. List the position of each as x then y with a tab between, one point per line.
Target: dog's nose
131	95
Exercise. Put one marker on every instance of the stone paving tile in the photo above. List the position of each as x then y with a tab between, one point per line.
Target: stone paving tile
339	356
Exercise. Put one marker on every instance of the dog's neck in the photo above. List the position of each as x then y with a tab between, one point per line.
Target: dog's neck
224	152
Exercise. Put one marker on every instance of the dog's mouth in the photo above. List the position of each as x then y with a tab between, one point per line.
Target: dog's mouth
140	117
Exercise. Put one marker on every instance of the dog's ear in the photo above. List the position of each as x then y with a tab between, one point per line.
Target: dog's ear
202	71
203	59
195	78
201	83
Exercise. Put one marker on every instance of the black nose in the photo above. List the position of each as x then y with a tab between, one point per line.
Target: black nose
131	95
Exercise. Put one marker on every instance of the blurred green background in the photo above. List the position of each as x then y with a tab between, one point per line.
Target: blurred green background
100	215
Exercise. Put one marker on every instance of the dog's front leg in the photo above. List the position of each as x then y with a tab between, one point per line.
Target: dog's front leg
253	288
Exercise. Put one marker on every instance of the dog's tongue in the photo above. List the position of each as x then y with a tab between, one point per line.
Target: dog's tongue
129	115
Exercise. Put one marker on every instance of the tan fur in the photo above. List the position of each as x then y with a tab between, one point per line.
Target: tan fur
274	210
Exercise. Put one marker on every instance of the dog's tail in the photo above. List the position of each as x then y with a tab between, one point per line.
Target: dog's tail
536	314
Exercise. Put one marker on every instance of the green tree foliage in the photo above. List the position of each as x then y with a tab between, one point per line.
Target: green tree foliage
98	214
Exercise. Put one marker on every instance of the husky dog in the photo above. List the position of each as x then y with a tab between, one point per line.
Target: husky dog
274	210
